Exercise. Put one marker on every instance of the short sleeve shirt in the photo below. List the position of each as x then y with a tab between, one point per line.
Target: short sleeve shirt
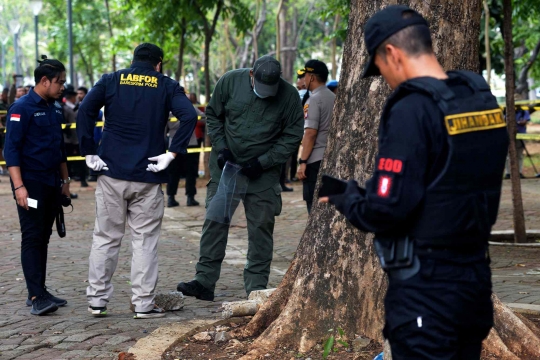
318	115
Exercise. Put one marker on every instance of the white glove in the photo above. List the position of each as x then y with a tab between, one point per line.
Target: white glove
163	161
95	163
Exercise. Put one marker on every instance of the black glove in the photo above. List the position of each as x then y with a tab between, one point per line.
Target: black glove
253	169
222	158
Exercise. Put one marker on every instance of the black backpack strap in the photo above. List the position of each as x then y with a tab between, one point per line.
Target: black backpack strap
475	81
435	88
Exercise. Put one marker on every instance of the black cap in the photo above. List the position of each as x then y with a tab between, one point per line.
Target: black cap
316	67
267	72
384	24
150	51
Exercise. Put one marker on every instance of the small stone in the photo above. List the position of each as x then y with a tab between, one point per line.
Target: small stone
145	331
360	342
221	337
202	336
222	328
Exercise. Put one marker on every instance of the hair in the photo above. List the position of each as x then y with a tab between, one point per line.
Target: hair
322	78
5	90
146	59
414	40
21	87
50	68
83	89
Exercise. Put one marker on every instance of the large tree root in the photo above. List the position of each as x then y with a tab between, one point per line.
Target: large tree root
272	308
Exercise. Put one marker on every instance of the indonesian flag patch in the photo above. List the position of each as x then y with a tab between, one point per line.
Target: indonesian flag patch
384	187
15	117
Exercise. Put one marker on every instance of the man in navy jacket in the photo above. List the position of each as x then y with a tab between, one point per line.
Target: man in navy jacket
131	158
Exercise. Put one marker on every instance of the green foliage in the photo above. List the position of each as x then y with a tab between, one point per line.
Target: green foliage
328	346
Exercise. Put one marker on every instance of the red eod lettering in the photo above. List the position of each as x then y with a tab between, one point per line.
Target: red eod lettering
390	165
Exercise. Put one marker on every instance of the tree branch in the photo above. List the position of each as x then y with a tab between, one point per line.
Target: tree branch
524	73
284	49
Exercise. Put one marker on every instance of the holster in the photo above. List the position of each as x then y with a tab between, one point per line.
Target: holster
397	257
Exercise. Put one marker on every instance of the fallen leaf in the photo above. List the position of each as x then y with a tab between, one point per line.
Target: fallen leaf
520	265
57	332
523	292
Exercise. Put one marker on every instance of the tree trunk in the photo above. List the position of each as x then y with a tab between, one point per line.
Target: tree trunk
113	59
335	279
337	19
486	41
181	47
519	218
523	84
278	33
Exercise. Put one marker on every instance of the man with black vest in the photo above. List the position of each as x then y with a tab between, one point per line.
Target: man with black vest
131	159
434	194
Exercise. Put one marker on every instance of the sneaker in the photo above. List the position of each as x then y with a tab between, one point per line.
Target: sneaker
286	189
42	305
54	299
156	312
97	311
194	288
58	301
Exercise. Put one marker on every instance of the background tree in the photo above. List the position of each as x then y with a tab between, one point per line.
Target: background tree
335	280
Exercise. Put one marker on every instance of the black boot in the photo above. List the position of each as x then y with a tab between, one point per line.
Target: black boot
171	202
191	201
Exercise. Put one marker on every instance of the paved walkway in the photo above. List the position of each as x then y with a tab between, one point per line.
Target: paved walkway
72	333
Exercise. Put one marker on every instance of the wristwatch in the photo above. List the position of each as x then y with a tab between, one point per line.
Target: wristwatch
66	181
300	161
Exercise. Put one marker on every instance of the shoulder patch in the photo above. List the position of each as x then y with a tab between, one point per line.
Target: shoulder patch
390	165
57	104
15	117
306	110
384	186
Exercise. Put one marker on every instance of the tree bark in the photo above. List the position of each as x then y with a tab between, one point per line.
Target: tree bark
113	59
519	219
335	279
278	33
523	84
181	47
337	19
486	41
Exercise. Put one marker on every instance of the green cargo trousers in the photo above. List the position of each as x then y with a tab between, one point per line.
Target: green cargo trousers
261	209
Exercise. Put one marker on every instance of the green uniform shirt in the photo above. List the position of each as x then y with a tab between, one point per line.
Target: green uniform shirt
269	129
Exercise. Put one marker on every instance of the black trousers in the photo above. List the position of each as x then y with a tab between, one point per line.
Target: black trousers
312	170
294	163
444	312
36	229
187	165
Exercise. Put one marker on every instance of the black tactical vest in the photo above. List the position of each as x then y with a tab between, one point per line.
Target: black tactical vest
461	202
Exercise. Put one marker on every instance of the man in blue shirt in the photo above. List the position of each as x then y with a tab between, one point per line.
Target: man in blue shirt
36	160
137	103
522	118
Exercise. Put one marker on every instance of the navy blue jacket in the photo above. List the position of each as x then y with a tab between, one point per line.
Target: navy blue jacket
137	104
34	140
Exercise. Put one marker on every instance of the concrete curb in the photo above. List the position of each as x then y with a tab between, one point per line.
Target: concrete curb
166	337
524	308
506	237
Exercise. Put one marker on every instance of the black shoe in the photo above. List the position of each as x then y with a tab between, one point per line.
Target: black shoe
73	195
507	176
194	288
84	184
191	201
521	176
42	305
92	178
286	189
58	301
156	312
171	202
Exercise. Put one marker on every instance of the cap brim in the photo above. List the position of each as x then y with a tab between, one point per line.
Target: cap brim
371	69
266	90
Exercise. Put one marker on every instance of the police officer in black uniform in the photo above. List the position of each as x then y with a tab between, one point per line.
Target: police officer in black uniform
434	194
36	159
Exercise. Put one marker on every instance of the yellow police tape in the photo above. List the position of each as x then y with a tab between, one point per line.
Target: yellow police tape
79	158
100	124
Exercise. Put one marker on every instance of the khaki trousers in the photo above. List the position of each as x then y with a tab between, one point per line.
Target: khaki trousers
142	205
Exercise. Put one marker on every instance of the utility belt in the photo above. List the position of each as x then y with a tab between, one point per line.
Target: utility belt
400	256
